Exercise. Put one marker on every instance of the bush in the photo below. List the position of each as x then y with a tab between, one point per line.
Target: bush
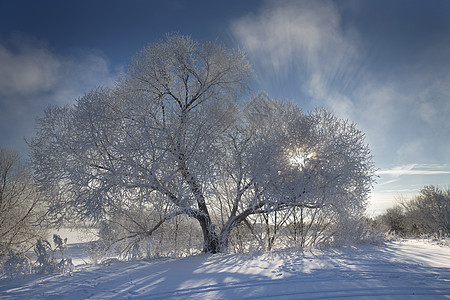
16	266
355	231
48	260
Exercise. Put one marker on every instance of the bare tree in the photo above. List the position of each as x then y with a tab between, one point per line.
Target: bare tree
19	205
174	136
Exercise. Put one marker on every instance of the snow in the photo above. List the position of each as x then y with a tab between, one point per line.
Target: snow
409	269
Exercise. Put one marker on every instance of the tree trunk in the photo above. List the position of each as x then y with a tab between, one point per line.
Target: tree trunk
210	239
224	235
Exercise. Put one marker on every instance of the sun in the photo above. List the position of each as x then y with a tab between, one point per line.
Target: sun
299	158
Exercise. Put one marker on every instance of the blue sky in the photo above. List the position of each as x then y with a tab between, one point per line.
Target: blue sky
382	64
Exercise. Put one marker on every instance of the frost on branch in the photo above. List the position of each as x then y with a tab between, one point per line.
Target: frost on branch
174	137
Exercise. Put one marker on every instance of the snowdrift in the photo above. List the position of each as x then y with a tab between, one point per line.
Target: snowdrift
397	270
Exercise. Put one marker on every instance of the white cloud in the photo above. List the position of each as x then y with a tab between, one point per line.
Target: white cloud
82	73
337	102
27	70
434	101
33	77
284	32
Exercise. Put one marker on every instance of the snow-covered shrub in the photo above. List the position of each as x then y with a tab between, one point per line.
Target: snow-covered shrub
251	236
44	261
65	264
353	231
133	252
438	238
48	260
131	234
16	266
97	250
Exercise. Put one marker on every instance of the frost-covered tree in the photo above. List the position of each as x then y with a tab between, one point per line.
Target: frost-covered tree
173	137
429	212
426	213
19	205
395	220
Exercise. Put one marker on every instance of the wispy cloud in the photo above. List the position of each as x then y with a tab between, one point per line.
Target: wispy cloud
303	40
388	182
396	90
416	169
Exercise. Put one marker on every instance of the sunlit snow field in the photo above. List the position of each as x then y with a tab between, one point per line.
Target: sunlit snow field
407	269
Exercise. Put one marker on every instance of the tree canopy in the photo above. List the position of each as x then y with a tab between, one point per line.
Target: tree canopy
175	136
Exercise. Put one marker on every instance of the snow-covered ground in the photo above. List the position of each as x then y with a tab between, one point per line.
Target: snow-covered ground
398	270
